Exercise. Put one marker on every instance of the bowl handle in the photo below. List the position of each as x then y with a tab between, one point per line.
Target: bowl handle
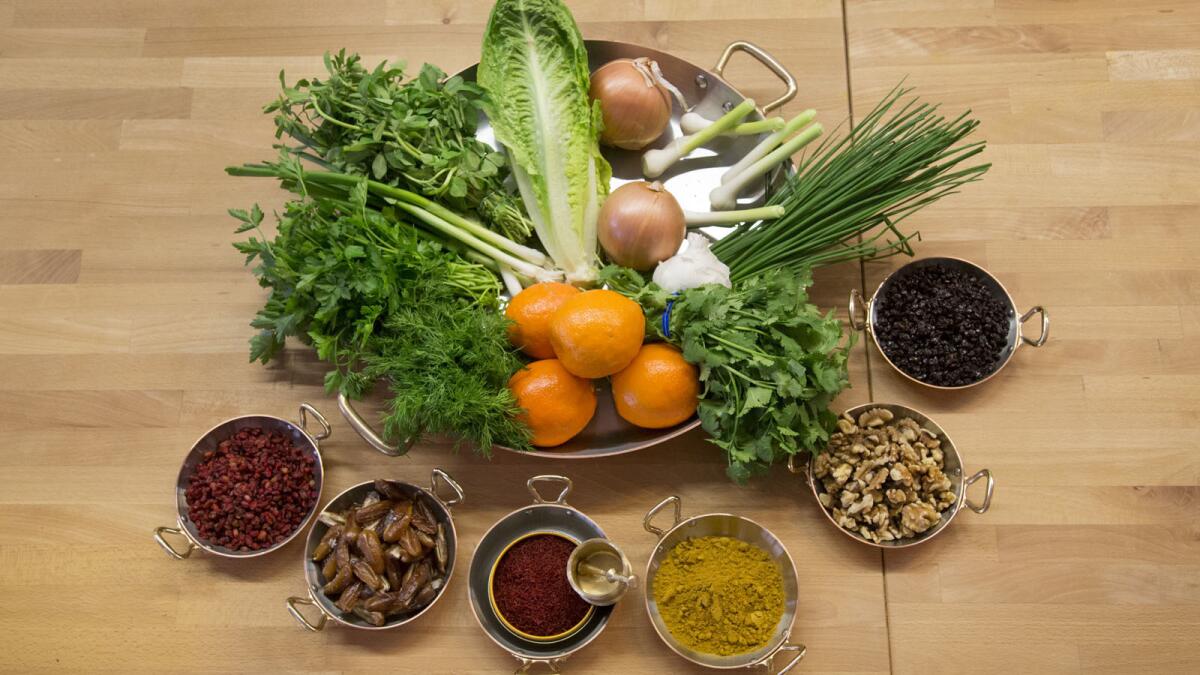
305	411
292	608
555	665
673	499
458	497
551	478
800	650
367	433
1041	339
987	496
767	60
166	545
855	308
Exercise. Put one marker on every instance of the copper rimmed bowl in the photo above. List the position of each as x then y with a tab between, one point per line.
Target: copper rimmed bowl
708	93
312	570
543	516
953	470
186	529
737	527
864	314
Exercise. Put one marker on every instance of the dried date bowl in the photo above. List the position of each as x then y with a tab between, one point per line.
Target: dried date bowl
953	470
312	570
301	438
863	315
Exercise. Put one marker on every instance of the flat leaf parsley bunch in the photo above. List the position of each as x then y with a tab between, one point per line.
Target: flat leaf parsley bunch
770	363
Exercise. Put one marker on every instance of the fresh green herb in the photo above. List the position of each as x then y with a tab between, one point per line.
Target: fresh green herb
770	362
380	301
418	135
447	364
867	181
534	68
452	229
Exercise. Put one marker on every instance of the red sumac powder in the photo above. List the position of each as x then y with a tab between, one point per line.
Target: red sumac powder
531	588
252	492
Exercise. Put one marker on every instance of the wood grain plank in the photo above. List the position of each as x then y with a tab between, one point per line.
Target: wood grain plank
1089	209
73	42
47	266
95	104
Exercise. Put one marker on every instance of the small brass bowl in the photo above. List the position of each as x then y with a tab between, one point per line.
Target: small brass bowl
542	639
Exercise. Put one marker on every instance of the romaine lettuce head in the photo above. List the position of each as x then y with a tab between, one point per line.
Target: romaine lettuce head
534	68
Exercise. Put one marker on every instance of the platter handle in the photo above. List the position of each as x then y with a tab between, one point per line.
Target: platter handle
292	608
987	495
368	434
673	499
444	477
856	308
767	60
305	411
549	478
800	651
1041	339
555	665
166	545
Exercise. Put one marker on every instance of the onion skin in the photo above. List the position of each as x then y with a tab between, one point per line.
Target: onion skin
636	109
641	225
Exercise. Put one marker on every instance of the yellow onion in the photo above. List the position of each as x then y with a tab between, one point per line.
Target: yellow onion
635	101
640	225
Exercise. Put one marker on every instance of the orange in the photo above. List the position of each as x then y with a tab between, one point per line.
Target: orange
557	404
597	333
657	389
530	312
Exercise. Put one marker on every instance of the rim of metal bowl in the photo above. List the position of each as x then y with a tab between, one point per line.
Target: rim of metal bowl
947	447
540	639
678	431
180	489
320	600
1014	339
777	641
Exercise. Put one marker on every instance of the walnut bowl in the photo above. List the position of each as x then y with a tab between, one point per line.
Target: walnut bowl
953	470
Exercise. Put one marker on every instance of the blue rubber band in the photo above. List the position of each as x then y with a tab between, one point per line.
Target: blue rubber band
666	319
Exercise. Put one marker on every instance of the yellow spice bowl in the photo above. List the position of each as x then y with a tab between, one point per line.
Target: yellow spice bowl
541	639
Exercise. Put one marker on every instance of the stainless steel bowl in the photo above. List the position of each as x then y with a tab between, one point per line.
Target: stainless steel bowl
865	317
543	515
724	525
312	571
300	436
953	471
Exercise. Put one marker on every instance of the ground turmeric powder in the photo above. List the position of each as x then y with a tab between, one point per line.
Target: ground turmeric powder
719	595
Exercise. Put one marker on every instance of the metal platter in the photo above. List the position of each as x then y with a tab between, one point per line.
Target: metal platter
690	181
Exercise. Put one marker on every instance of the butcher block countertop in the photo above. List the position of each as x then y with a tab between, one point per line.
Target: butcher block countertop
124	311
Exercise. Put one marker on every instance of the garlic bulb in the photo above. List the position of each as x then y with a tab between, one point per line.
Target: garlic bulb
694	266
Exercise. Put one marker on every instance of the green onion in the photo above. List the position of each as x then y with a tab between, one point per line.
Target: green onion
845	200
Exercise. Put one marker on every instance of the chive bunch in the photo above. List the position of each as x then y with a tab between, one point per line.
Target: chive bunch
848	197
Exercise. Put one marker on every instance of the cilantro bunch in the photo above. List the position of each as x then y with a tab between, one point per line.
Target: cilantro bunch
418	135
770	363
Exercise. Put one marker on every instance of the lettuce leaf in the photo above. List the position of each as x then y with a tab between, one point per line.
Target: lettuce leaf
534	68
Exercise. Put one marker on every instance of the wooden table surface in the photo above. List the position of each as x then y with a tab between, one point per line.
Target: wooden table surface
123	328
